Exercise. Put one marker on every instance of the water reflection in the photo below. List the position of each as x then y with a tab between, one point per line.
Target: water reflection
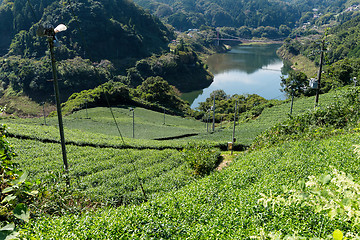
244	70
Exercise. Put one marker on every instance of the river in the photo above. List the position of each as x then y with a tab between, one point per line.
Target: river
254	69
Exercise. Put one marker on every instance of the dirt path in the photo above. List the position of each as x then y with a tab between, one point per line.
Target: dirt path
227	159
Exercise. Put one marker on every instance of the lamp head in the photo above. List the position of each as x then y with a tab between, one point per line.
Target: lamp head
49	31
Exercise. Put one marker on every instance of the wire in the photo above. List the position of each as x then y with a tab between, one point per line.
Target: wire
32	11
126	150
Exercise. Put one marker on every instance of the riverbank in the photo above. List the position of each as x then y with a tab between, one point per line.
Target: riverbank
298	62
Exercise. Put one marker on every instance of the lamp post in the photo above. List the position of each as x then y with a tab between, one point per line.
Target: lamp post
133	122
355	81
49	32
207	120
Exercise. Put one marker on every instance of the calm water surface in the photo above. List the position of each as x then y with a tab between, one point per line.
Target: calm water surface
243	70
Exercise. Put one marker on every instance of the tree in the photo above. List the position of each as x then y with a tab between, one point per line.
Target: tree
295	84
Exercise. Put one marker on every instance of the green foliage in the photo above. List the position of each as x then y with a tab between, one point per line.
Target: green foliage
113	92
108	176
316	123
31	77
155	94
253	104
157	90
123	30
334	195
223	13
15	190
182	68
201	159
224	204
296	84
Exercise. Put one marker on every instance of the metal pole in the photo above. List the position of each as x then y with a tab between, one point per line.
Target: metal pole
233	135
213	127
87	115
164	116
207	121
58	108
319	73
292	102
133	124
44	113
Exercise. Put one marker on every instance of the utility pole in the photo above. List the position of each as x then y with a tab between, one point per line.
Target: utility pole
58	107
44	113
207	120
233	135
319	73
86	109
292	101
133	122
213	108
164	116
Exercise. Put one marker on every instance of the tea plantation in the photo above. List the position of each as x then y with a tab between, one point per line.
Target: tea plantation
288	185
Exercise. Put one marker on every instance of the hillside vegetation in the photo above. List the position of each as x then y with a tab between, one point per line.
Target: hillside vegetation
105	41
238	202
232	204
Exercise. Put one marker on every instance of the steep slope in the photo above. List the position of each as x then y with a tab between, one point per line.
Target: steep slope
114	29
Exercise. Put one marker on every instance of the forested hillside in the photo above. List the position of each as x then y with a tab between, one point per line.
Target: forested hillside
252	13
97	30
105	40
341	52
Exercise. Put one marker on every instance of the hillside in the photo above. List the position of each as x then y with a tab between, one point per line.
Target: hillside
225	205
106	41
97	30
106	170
219	13
341	54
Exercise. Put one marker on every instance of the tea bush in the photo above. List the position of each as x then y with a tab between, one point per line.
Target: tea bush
201	159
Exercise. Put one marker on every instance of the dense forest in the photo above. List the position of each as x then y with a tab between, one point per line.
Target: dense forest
105	41
252	13
97	30
118	41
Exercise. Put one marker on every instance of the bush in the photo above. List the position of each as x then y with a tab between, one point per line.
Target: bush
201	159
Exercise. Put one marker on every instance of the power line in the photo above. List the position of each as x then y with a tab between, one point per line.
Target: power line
32	11
126	150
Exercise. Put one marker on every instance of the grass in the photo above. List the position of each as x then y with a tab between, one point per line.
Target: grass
304	65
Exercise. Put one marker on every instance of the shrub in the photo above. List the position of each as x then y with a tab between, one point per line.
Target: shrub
201	159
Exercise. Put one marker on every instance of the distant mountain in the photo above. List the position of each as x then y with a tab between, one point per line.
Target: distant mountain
107	29
218	13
